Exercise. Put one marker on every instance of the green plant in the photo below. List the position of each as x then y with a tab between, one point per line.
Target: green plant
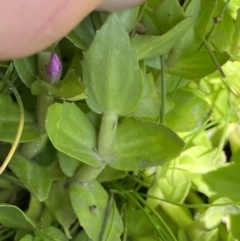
129	145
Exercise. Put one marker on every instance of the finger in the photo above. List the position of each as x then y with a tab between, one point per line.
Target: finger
28	26
114	5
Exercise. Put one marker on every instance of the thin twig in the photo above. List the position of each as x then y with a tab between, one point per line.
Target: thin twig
20	126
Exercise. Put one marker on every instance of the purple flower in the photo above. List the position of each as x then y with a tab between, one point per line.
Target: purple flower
53	69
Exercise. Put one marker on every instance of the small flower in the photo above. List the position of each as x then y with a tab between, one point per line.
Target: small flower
53	69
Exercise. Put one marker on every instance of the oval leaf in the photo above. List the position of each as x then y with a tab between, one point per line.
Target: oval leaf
59	203
93	208
12	217
27	69
195	65
111	72
152	46
82	35
34	177
189	112
140	145
72	133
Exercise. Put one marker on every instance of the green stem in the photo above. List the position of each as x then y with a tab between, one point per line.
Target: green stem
217	20
31	149
163	91
214	59
107	135
217	121
88	173
106	140
35	209
176	88
165	229
43	102
20	126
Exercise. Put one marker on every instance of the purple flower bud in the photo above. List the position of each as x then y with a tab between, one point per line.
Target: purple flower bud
53	69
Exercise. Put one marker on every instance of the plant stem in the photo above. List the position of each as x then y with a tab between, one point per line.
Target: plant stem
106	140
214	59
43	102
20	126
107	134
31	149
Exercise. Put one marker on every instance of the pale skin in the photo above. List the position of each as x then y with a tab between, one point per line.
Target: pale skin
28	26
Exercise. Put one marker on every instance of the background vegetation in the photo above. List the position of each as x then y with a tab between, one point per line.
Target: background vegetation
138	141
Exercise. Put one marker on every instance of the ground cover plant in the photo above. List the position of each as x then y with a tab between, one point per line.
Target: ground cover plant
126	129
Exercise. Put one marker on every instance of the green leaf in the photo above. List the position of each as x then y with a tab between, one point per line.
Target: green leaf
234	221
189	112
12	217
174	184
9	122
72	133
70	88
94	209
147	46
147	239
140	145
138	224
223	182
199	159
27	69
222	35
214	215
111	72
196	65
149	105
184	43
4	64
208	236
82	236
59	203
204	21
27	237
168	14
109	174
236	35
50	233
34	177
128	18
68	164
82	35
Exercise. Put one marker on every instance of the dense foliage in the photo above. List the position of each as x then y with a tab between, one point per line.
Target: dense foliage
138	141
